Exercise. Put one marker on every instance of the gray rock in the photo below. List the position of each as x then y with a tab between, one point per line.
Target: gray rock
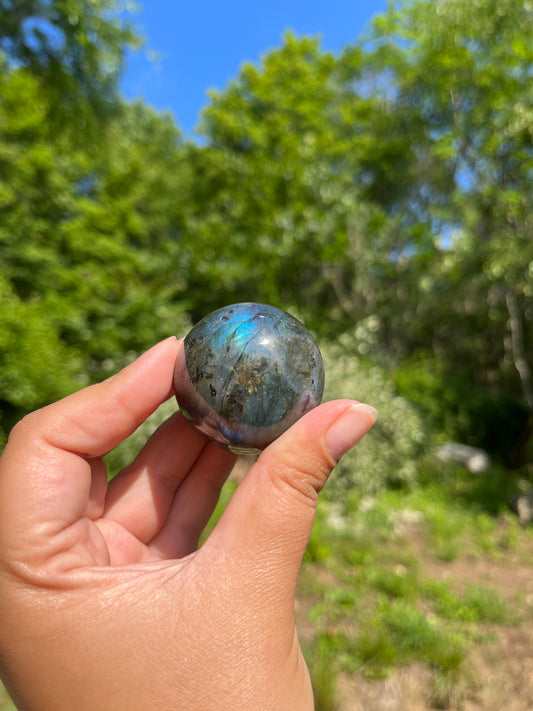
523	506
476	460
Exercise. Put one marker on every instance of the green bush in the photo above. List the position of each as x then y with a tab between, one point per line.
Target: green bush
35	366
458	409
388	455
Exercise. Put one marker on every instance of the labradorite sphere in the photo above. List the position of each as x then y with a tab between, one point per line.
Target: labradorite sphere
248	372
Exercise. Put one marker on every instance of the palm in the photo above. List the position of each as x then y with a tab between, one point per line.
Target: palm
154	509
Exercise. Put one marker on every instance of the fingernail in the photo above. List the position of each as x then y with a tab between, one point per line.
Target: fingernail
349	428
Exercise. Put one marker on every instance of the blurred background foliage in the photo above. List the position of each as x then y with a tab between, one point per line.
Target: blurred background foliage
382	194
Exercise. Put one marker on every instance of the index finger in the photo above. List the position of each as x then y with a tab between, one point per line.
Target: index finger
94	420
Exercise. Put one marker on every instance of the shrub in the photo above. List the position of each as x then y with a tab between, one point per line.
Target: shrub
388	456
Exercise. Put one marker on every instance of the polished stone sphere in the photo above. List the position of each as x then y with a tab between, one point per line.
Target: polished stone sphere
246	374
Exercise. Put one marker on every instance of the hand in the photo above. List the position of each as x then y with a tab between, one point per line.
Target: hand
105	601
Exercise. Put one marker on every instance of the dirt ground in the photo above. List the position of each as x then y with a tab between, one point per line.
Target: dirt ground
501	679
500	673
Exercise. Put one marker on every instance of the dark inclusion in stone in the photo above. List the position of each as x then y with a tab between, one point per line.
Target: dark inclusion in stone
247	373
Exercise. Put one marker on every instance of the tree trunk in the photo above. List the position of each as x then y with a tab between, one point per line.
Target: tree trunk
524	372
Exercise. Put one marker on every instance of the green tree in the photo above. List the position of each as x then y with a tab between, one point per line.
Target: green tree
462	70
292	189
97	234
388	186
76	48
89	245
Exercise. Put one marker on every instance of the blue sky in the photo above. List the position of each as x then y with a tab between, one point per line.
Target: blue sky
201	45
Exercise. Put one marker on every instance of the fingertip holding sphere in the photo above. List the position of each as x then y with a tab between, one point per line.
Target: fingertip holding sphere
247	372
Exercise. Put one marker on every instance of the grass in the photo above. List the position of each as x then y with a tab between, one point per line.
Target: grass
5	702
380	607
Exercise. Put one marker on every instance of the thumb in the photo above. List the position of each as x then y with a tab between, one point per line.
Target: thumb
267	524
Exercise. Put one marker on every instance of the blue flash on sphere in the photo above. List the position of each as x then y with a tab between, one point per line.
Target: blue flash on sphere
247	373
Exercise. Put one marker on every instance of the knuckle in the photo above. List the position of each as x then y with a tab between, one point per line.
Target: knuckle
24	427
300	474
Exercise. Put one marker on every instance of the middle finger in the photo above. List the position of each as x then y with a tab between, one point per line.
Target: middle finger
140	497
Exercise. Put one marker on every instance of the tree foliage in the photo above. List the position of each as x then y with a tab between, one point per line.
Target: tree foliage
383	192
465	69
391	186
89	243
294	192
76	49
